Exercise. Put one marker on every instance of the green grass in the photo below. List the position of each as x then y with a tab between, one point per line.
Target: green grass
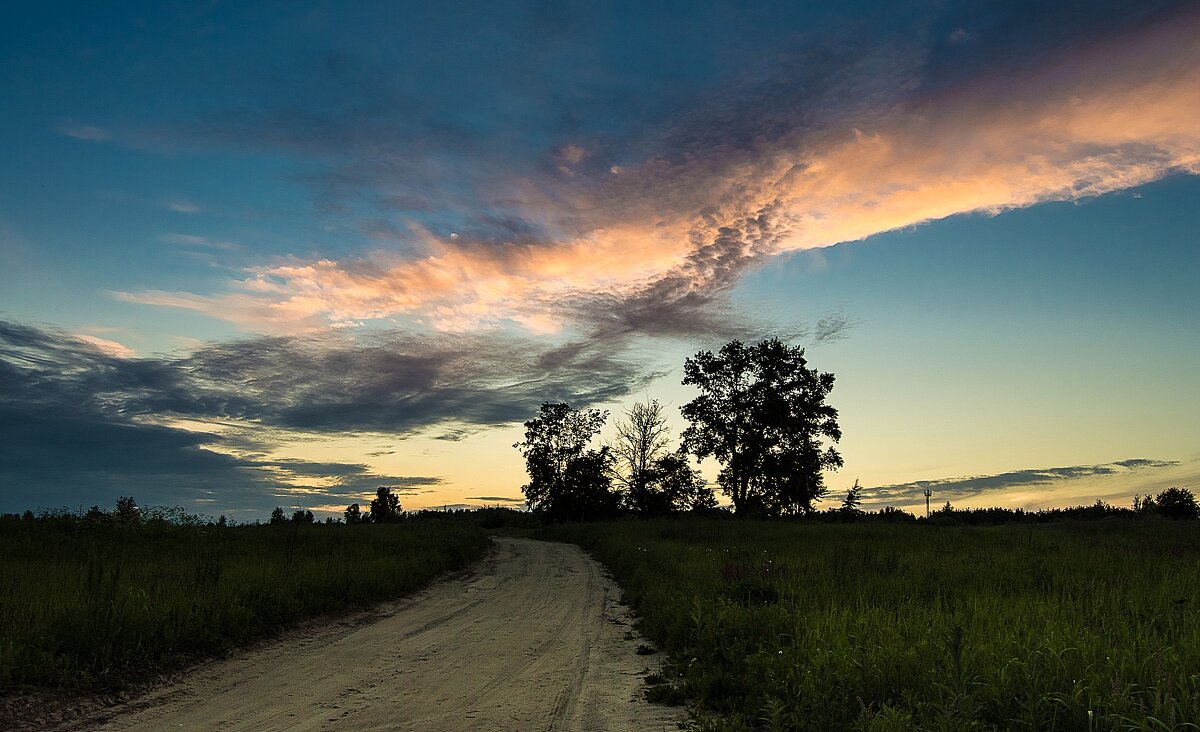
1086	626
94	607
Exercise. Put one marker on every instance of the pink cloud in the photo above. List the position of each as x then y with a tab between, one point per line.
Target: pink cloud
106	346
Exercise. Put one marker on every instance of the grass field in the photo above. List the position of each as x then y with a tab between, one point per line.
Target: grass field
92	607
1083	626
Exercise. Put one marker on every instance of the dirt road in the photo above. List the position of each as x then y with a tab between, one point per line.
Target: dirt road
533	639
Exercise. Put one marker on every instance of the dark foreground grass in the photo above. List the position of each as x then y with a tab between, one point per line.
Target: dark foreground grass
94	607
878	627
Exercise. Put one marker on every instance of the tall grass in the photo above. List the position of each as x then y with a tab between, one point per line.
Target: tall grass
1090	626
94	606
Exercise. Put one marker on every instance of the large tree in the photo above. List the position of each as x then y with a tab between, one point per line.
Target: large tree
567	481
762	414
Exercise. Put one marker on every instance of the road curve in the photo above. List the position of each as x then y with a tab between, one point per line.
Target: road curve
533	639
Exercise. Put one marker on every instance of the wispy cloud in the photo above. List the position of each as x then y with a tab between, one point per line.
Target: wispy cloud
967	487
85	132
106	346
117	417
76	410
337	480
195	240
183	206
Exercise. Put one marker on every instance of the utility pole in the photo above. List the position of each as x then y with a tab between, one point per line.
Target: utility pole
928	493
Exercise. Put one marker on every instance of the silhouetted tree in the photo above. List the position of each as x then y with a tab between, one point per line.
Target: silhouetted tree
892	514
385	508
278	517
127	511
586	492
677	486
302	517
1177	503
353	514
641	440
850	504
762	414
562	477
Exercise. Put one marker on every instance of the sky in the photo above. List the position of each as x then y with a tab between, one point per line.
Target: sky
263	254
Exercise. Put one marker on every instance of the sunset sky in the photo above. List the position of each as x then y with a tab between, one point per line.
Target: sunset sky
257	254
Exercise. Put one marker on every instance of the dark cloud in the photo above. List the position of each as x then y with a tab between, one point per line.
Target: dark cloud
496	499
56	457
454	435
833	327
395	382
967	39
1138	463
872	60
692	299
351	478
959	488
82	425
66	436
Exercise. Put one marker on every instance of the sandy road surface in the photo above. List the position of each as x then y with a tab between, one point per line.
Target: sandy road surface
533	639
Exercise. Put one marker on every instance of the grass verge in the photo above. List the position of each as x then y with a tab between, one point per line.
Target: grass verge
95	607
792	626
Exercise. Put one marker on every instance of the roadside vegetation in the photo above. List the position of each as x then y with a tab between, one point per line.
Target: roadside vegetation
797	618
917	626
95	600
775	614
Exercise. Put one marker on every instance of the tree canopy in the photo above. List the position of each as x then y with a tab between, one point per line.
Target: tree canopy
567	481
385	507
762	414
1177	503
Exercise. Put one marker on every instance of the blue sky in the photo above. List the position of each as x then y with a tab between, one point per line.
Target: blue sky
264	254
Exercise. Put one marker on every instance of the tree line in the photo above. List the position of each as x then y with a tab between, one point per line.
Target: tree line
761	413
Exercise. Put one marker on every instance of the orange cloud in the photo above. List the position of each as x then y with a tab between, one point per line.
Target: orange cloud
1114	117
106	346
1121	116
